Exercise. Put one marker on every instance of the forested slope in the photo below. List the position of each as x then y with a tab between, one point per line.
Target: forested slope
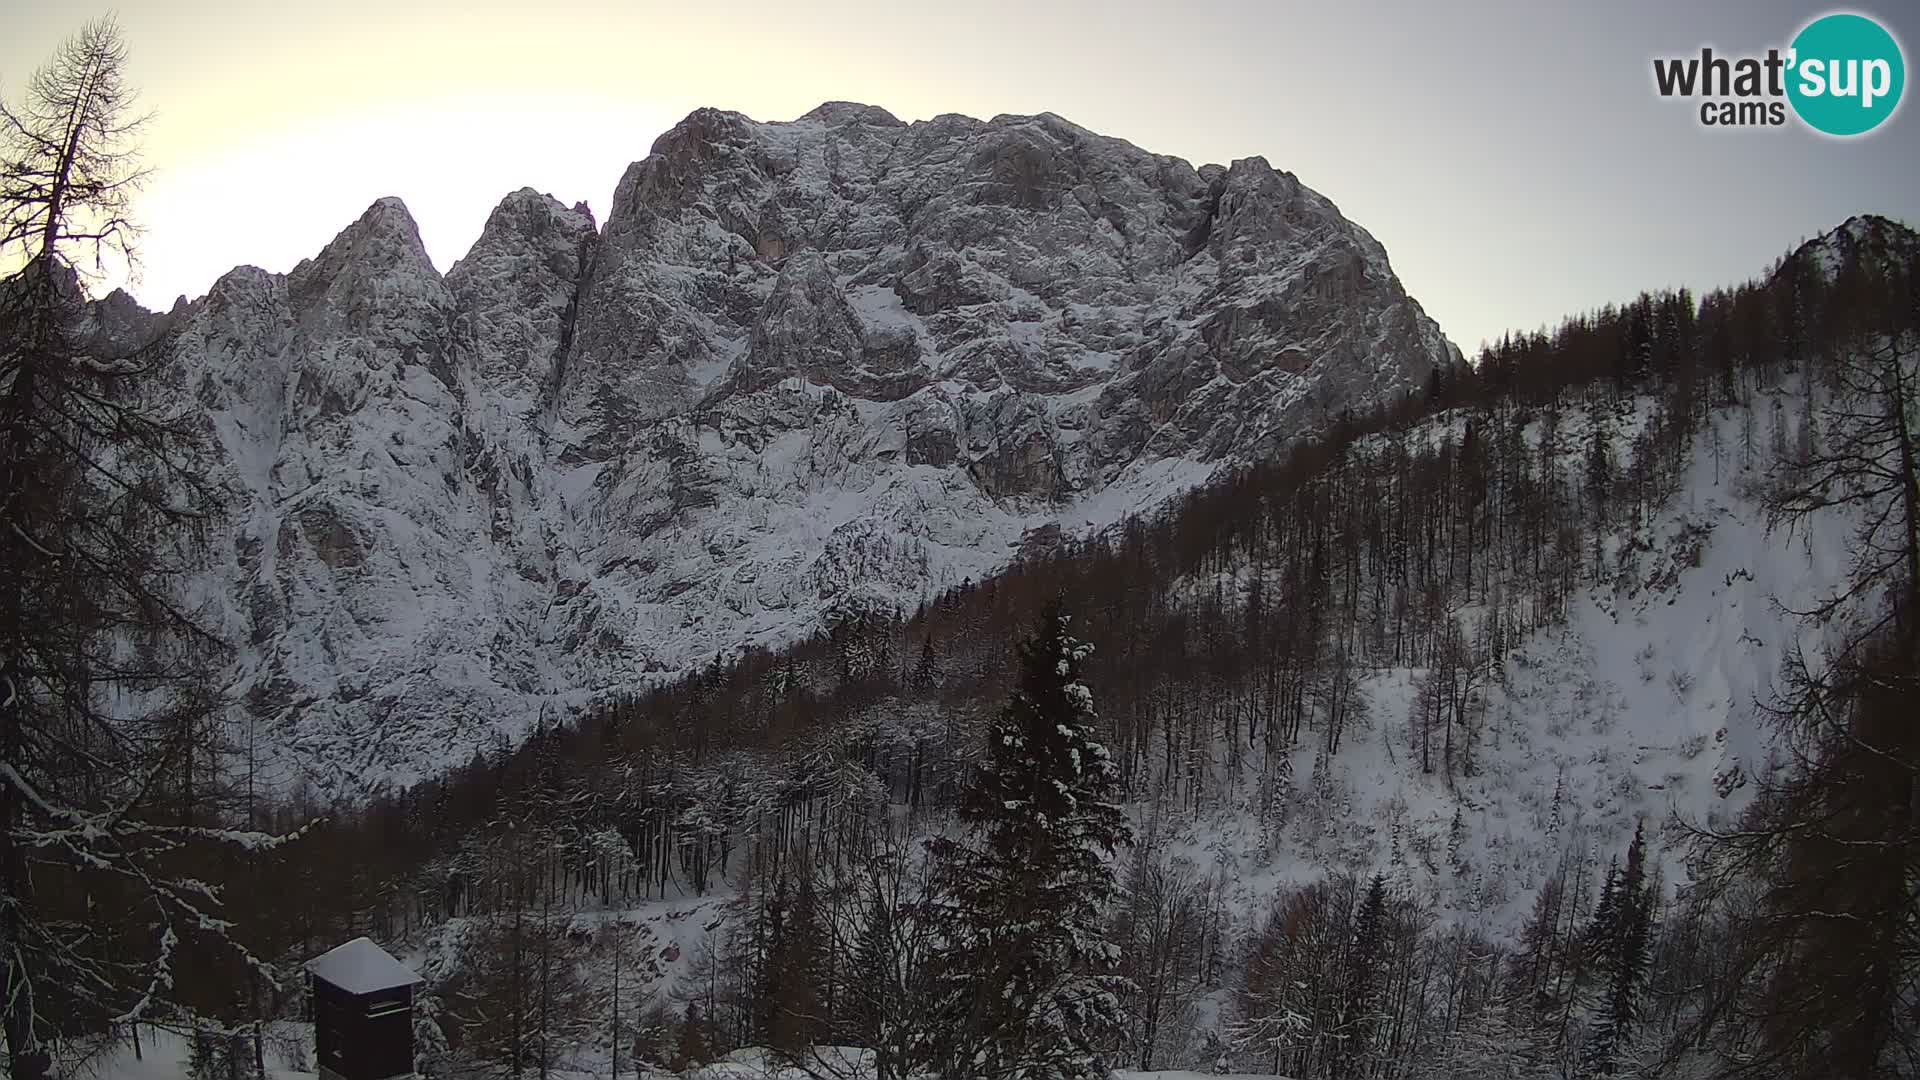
1426	731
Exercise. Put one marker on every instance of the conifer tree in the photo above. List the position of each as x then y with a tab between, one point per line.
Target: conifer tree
693	1046
1540	943
1358	1007
1027	978
1621	938
791	990
1600	469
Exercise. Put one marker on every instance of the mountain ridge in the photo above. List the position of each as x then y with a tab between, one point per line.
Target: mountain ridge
803	369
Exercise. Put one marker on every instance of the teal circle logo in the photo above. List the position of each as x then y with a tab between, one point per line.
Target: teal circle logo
1845	74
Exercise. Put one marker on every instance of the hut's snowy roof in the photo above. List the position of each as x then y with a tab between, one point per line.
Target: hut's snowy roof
361	967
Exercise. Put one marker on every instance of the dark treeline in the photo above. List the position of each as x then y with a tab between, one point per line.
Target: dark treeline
1233	628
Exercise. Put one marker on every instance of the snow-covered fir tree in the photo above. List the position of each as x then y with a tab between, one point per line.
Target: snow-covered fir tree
1359	1007
1028	983
1620	940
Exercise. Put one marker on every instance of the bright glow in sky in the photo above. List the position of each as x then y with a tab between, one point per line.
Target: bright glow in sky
1513	158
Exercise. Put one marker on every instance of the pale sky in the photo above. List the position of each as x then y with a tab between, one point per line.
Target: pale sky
1513	157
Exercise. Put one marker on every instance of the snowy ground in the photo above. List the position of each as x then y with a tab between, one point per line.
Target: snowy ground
288	1051
164	1057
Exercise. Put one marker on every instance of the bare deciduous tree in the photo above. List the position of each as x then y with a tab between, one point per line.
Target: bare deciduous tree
107	718
67	173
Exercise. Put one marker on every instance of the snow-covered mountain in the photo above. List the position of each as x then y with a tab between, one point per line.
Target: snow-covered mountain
1633	697
805	367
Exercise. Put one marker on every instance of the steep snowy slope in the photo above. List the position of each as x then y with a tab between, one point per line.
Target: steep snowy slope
806	367
1647	705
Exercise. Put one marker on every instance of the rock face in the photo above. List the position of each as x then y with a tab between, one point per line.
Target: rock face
834	363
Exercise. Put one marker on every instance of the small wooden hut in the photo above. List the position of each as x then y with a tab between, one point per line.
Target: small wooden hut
362	1013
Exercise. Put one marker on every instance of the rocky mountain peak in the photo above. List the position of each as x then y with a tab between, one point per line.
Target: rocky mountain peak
531	213
384	236
1868	240
515	294
374	280
838	113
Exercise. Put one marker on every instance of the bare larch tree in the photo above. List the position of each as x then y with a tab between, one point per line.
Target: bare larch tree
108	676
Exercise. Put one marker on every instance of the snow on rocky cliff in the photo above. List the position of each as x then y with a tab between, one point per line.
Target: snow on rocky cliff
834	363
